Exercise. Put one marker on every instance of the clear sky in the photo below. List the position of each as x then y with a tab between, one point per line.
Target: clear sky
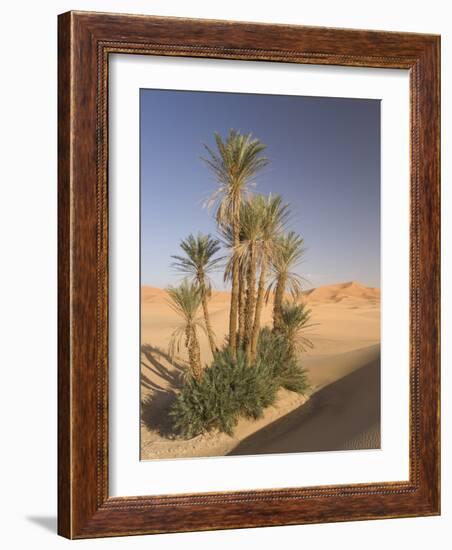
324	160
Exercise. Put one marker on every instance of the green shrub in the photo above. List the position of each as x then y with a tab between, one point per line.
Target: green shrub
275	351
228	390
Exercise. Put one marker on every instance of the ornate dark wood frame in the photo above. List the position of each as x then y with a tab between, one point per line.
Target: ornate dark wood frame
84	44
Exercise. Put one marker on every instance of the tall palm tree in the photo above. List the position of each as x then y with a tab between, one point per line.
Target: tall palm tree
185	300
295	318
274	215
245	253
289	253
197	263
227	241
235	164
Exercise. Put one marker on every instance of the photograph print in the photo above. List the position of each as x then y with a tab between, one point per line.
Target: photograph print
260	274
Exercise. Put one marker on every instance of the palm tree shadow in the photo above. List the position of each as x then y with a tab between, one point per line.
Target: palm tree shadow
163	386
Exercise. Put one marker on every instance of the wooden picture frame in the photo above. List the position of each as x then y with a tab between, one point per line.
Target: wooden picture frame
85	42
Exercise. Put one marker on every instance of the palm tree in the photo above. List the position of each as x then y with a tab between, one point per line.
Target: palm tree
274	216
295	319
245	253
289	253
197	264
235	164
185	300
227	241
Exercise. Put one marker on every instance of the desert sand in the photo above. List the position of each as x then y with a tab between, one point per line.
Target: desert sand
342	410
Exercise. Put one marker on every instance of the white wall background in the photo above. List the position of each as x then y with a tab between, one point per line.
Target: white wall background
28	270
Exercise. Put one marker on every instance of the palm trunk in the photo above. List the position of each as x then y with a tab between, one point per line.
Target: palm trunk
250	301
259	306
194	353
242	289
235	286
277	306
209	330
187	337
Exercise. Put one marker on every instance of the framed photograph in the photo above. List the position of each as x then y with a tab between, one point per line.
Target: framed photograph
249	275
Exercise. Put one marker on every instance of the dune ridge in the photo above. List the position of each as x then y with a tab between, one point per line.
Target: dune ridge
343	291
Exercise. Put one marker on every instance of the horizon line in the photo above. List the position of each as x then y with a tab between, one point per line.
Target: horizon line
349	282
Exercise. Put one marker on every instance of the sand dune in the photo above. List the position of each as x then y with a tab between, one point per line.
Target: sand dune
351	291
343	366
343	415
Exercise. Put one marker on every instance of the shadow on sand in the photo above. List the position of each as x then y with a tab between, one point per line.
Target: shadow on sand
341	416
162	388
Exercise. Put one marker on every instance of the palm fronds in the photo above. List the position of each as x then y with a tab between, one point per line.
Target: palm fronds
295	319
288	254
185	300
199	259
235	164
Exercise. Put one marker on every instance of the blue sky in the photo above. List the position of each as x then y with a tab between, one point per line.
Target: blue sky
324	158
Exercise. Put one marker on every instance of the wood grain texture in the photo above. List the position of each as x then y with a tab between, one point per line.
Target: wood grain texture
64	295
85	42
